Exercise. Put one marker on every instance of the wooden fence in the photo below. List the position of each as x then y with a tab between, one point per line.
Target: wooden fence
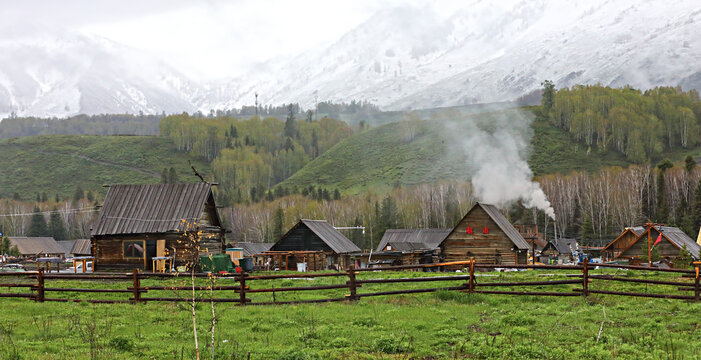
139	293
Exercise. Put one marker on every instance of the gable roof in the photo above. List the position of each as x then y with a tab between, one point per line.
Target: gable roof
404	246
501	222
328	234
67	245
674	235
563	245
680	239
431	238
82	247
250	249
36	245
635	230
153	208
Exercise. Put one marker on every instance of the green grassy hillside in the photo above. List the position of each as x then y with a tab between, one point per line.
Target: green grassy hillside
414	152
58	164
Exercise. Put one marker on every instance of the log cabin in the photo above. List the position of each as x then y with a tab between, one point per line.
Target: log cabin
139	222
672	241
316	243
629	236
485	234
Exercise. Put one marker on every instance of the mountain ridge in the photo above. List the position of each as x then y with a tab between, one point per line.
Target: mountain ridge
404	58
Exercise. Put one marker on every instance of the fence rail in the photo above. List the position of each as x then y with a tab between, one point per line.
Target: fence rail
467	283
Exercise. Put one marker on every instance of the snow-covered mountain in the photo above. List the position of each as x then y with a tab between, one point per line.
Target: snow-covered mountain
412	57
69	74
401	58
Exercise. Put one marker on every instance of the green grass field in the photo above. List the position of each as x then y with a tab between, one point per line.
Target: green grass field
57	164
439	325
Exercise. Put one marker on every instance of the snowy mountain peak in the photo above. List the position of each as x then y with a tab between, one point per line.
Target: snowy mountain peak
400	58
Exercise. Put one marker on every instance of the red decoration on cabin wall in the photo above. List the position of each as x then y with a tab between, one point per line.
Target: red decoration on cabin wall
469	230
485	230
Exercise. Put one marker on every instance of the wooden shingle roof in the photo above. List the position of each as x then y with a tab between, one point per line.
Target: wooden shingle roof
332	237
152	209
505	226
327	233
81	247
250	249
36	245
431	238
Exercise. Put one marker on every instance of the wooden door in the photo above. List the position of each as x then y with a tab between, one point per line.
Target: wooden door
160	248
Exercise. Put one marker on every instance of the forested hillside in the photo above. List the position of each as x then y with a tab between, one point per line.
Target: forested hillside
250	156
641	125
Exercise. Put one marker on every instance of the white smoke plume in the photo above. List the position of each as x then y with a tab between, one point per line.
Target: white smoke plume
496	147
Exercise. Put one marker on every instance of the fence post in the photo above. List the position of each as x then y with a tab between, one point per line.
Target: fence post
242	291
40	286
697	287
351	284
471	286
136	286
585	278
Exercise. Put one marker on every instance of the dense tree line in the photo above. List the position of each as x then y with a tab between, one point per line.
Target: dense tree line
250	156
60	220
591	207
640	125
424	206
107	124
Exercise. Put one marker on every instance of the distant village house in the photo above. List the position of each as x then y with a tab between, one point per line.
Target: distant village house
314	243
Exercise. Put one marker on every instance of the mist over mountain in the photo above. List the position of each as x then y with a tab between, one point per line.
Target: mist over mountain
72	73
400	58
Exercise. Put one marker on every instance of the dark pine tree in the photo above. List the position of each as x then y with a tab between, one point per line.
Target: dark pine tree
37	225
290	123
172	176
56	227
279	223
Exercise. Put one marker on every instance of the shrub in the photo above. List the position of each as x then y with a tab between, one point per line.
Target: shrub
518	319
387	345
459	297
339	342
448	333
365	322
121	343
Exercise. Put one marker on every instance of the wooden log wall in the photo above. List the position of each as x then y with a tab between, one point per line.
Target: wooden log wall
491	248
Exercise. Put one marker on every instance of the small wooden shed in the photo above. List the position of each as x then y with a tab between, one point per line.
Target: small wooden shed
673	240
315	242
139	222
629	236
485	234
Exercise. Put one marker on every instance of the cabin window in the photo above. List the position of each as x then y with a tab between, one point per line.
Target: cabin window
133	249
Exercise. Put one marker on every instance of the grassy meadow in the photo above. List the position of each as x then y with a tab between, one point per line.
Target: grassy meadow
439	325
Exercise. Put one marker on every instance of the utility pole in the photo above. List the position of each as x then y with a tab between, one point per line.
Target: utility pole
256	103
649	226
